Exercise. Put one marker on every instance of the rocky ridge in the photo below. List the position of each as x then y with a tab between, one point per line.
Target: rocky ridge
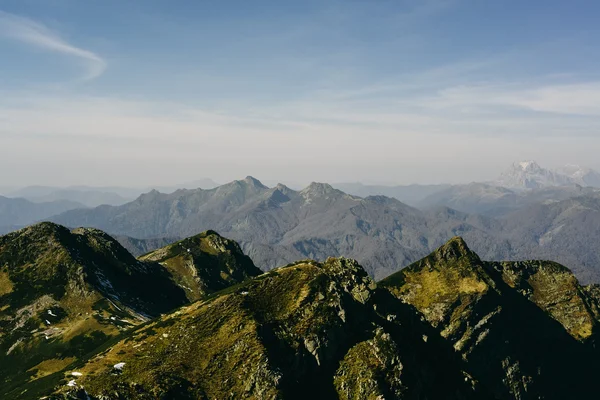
64	293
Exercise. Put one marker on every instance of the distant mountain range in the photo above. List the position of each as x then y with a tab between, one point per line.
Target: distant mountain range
496	201
279	225
15	213
83	319
412	195
529	175
522	184
91	196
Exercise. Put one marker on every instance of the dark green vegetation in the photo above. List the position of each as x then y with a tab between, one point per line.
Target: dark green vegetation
308	330
65	293
527	329
275	226
82	319
204	264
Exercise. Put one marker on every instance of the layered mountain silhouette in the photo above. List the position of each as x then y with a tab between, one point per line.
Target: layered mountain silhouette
83	319
278	225
18	212
497	201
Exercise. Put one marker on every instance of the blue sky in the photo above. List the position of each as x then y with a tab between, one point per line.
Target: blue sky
143	92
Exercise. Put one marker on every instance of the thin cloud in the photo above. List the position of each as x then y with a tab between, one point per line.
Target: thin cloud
579	99
36	34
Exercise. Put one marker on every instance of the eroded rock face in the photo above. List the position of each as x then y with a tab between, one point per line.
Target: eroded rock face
369	364
525	328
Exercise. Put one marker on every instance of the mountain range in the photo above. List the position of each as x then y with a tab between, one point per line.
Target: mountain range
91	196
529	175
18	212
278	225
80	318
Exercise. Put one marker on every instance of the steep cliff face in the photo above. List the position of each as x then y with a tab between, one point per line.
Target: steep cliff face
308	330
525	328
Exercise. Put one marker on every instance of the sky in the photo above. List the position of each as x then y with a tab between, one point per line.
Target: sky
147	92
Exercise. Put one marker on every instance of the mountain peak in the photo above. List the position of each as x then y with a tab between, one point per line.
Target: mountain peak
252	181
45	228
318	188
149	196
282	188
453	260
211	262
528	165
529	175
456	248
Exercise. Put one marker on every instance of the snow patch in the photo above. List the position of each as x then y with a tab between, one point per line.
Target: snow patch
72	383
50	313
526	164
76	374
119	366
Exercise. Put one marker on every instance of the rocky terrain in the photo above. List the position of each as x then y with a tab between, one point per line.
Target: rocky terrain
64	293
524	321
197	320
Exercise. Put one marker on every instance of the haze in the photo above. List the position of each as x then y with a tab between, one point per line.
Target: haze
140	93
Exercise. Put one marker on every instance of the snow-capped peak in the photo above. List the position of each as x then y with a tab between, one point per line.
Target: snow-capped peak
527	165
529	175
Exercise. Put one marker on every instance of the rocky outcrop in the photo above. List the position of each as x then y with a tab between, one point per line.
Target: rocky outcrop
524	328
204	264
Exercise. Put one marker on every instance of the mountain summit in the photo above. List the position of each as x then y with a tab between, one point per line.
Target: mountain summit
517	324
530	175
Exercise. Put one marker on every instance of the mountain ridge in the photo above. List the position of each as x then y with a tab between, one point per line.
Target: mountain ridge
494	314
64	293
448	326
275	226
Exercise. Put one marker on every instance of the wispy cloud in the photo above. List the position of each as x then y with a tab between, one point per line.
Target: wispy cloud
36	34
580	99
